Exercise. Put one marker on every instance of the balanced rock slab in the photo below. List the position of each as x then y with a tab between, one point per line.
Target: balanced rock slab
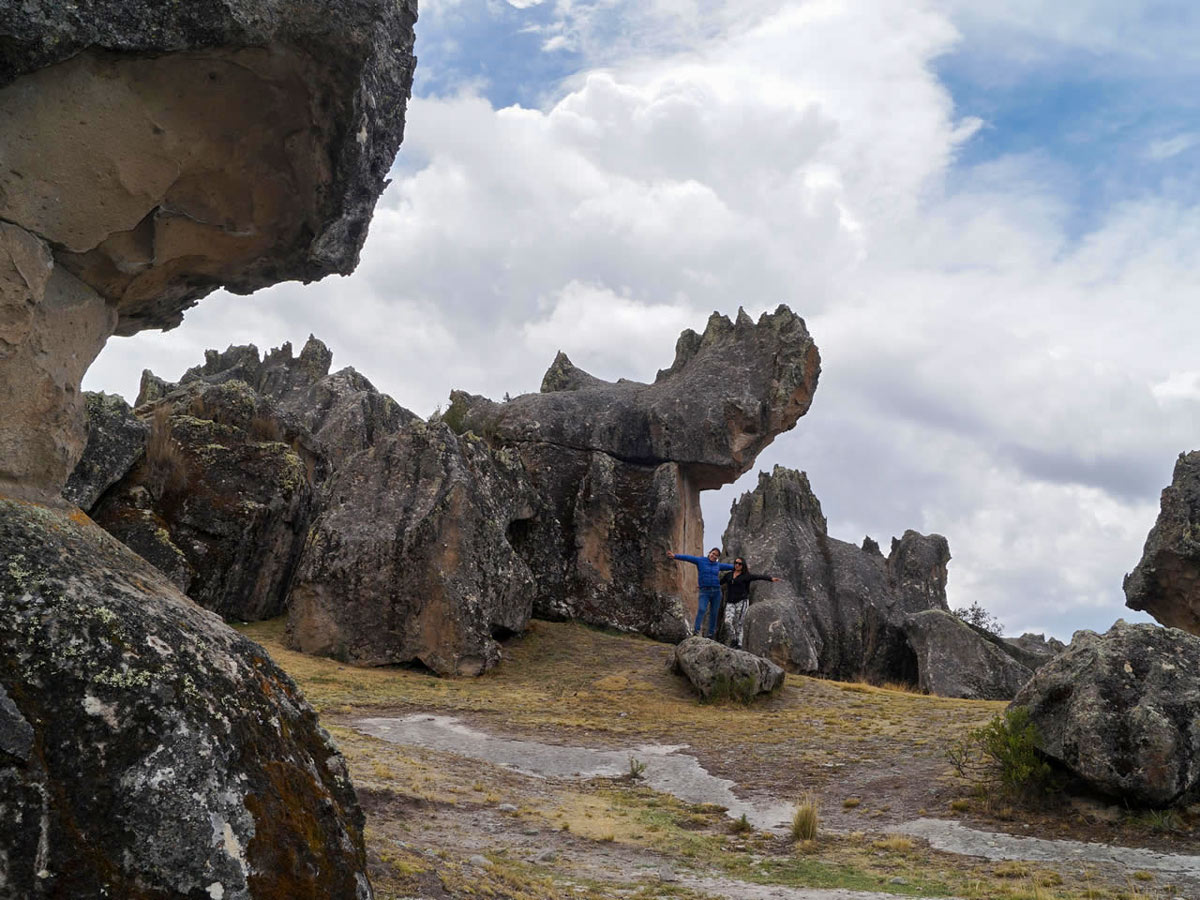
1122	711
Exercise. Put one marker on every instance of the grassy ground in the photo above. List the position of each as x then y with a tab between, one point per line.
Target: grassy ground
870	757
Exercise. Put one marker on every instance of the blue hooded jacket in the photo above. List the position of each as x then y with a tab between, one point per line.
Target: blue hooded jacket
708	572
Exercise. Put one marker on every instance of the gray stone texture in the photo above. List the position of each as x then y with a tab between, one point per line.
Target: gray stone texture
713	668
618	467
116	439
1166	582
171	757
1120	711
152	153
956	660
410	559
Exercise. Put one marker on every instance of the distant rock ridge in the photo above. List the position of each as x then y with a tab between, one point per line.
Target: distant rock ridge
847	612
1166	581
617	467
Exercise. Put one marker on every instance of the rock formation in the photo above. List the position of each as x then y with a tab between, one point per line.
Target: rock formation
146	750
154	153
151	153
955	659
619	466
715	670
1166	582
1119	710
847	612
116	439
410	559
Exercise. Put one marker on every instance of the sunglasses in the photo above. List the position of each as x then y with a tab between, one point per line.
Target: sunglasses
738	562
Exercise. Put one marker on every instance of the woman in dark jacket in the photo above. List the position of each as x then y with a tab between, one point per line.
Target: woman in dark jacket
737	596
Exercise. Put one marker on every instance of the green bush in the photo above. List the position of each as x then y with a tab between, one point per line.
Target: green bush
1003	753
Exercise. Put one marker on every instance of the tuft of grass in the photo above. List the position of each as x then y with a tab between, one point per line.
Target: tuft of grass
894	843
741	825
637	768
806	820
851	802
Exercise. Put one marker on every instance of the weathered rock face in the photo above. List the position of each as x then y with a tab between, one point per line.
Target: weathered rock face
956	660
219	503
116	439
154	153
839	610
1166	582
713	668
410	558
146	750
1033	650
620	465
1119	710
223	500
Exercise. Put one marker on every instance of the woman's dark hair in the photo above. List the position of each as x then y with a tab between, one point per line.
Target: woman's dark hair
745	565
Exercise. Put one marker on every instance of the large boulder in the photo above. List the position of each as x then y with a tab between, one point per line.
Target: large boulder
220	502
715	670
116	440
146	750
956	660
1120	711
1166	582
155	152
620	465
410	559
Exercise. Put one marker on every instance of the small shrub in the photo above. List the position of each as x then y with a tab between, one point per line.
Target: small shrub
637	768
1004	753
896	843
851	802
807	819
741	825
979	617
960	805
165	461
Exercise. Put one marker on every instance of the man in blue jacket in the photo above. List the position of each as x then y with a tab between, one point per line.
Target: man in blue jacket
708	570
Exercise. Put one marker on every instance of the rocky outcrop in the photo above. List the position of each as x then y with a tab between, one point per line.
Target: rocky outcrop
1033	650
619	466
847	612
1119	710
717	671
116	439
410	559
153	153
1166	582
839	610
220	502
146	750
956	660
224	497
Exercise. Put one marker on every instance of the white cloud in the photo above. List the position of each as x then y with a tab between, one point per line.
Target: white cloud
1171	147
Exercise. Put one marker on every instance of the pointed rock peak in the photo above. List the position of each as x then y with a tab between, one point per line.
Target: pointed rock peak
316	358
743	319
564	375
870	545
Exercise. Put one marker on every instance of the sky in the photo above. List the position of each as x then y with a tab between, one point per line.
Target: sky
988	214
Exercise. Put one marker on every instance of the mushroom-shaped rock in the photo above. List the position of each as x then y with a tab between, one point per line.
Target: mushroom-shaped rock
152	153
1120	711
717	671
147	750
410	560
620	465
1166	582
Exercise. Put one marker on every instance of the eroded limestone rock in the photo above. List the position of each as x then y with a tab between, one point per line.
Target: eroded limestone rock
1166	582
410	558
1119	710
154	152
116	439
620	465
172	757
956	660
